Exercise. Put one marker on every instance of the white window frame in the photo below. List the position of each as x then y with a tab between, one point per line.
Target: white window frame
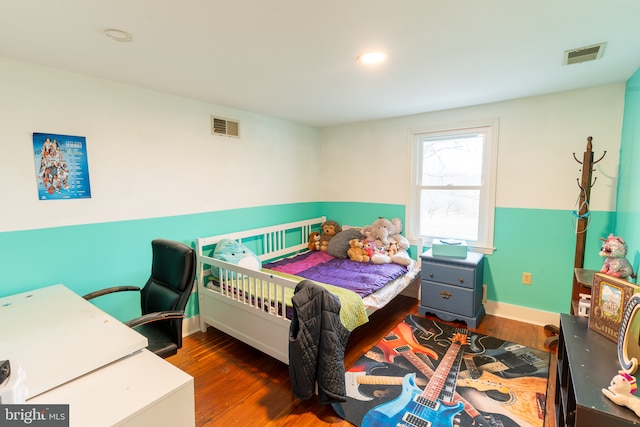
490	127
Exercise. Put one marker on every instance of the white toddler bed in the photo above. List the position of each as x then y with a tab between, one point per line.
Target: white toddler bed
250	305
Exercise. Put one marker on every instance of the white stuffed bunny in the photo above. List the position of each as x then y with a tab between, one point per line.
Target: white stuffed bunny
621	392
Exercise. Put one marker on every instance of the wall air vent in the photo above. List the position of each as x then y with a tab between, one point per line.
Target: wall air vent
225	127
583	54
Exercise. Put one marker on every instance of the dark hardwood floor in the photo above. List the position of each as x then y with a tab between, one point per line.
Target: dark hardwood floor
238	385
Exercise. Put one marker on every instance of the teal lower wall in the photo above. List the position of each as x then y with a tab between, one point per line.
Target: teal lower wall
541	242
94	256
628	202
360	213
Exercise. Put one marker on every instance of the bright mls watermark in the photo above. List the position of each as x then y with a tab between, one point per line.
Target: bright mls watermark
34	415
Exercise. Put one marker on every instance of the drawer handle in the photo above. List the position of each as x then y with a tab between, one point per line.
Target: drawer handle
430	274
445	295
461	280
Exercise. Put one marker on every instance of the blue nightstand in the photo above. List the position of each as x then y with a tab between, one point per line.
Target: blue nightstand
451	288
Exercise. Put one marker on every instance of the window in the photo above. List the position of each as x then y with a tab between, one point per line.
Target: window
453	180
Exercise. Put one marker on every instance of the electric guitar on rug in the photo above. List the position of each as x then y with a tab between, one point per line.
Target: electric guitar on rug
355	379
510	359
495	387
401	342
529	405
401	347
421	407
507	359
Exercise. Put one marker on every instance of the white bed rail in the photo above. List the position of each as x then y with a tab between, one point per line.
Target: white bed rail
247	304
273	238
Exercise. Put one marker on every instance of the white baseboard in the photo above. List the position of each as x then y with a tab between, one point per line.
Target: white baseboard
500	309
522	314
190	325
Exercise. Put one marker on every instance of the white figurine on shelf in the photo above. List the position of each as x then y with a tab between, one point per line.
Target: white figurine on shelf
621	391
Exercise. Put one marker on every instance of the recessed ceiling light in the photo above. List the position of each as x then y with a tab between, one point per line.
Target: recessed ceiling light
118	35
372	57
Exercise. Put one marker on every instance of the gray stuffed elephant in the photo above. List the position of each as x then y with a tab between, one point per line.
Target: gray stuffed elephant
385	232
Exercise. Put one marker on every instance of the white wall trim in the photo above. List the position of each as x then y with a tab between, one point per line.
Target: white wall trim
190	325
522	314
500	309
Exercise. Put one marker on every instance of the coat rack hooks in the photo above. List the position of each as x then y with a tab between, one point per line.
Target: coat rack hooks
589	147
595	178
601	157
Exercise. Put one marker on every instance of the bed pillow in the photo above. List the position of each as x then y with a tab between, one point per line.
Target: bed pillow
339	244
230	251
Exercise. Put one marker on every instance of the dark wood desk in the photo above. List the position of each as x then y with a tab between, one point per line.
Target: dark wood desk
587	362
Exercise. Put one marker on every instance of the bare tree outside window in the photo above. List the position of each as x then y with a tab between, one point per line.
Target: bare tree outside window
455	185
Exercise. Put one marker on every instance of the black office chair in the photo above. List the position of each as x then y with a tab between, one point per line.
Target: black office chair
164	297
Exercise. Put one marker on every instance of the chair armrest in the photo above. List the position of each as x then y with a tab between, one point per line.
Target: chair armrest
154	317
111	290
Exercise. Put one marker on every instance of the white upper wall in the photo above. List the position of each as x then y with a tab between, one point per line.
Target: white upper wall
150	154
370	162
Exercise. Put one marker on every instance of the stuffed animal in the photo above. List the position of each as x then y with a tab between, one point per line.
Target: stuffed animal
329	229
380	256
392	249
369	247
234	252
614	250
314	241
356	252
384	231
621	392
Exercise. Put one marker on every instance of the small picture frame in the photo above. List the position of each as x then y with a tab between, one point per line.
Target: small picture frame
609	297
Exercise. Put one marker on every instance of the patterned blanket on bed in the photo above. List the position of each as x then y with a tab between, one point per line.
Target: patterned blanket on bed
359	277
348	280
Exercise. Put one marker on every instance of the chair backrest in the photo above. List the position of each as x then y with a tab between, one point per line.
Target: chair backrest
173	272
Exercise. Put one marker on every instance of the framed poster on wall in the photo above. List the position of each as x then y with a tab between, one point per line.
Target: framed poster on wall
62	167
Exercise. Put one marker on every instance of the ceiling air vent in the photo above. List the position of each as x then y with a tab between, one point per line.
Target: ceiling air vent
225	127
583	54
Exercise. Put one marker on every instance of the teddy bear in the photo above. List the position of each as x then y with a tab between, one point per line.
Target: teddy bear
356	251
383	232
614	250
622	392
314	241
329	229
369	247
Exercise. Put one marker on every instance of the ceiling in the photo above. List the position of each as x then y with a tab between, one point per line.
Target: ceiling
296	59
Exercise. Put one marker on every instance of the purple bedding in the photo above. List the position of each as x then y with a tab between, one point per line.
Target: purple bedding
361	278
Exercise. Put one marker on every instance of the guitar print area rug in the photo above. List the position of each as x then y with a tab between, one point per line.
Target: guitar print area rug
427	373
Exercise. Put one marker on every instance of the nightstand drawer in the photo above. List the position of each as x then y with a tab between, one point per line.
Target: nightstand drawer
453	299
446	273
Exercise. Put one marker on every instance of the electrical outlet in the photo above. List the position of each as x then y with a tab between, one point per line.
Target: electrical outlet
526	278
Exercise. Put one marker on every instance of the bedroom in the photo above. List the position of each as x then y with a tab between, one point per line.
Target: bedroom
141	206
156	170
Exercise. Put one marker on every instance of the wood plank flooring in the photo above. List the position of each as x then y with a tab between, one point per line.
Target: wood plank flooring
238	385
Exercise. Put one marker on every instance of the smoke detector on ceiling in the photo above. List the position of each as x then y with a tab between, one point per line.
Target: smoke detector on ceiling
118	35
583	54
